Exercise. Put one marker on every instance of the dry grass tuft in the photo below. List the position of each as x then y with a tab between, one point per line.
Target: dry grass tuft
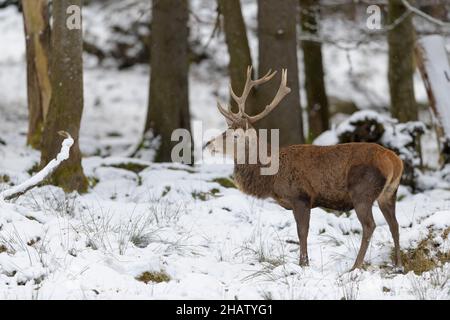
446	233
427	256
154	276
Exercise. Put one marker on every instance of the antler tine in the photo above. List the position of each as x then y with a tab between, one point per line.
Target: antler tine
249	84
245	92
227	114
269	75
283	90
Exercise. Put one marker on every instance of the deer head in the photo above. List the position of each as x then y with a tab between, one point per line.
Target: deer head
241	125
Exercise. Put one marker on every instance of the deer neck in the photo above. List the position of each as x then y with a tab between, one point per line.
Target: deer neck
249	179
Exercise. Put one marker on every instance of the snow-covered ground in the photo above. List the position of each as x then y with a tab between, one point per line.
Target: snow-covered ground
183	227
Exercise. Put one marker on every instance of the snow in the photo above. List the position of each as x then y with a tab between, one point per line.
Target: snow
360	116
213	242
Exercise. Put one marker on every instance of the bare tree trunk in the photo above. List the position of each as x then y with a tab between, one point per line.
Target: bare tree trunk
277	21
37	35
401	40
238	47
169	98
318	113
66	106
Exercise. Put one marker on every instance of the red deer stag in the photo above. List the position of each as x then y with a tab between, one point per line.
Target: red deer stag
339	177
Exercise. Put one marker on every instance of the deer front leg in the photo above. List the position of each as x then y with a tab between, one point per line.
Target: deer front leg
302	210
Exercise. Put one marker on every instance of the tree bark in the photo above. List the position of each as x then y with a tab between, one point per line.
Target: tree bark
316	96
168	107
238	47
401	41
277	34
66	105
37	35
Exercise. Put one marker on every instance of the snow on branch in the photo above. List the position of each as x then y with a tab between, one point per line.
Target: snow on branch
44	173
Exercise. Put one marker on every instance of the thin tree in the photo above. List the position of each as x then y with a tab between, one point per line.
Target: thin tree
277	21
237	44
168	107
316	96
66	105
37	35
431	46
401	40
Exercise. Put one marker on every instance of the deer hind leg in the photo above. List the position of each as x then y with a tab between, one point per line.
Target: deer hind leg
387	207
365	217
365	184
302	211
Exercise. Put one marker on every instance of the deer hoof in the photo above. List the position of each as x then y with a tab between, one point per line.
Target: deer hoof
355	267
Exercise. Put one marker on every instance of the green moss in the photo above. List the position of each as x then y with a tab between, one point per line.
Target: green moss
34	140
70	178
310	138
401	197
5	178
181	169
113	134
158	276
225	182
203	196
130	166
198	195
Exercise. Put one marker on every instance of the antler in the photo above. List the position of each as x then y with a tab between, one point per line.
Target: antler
229	115
283	90
249	84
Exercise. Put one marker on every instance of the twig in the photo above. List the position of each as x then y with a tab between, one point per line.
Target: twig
424	15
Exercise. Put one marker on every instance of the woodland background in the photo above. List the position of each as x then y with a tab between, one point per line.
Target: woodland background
118	220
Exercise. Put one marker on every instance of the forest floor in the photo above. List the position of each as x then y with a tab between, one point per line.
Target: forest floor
167	231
